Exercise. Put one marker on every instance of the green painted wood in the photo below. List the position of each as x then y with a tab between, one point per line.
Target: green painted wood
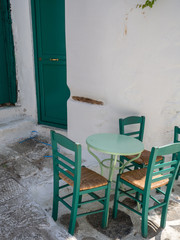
59	141
129	121
50	59
169	173
8	92
132	126
176	139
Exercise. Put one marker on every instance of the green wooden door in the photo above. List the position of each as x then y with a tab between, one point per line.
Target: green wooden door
7	66
50	54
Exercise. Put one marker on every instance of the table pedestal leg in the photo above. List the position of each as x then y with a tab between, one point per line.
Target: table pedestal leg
112	166
96	157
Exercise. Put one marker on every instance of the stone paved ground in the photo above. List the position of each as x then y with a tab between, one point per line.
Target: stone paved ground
26	178
21	217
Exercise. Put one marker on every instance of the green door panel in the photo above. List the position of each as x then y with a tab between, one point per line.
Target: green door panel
7	64
52	27
53	103
50	54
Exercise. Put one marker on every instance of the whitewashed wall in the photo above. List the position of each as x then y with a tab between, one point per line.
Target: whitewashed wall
128	58
24	55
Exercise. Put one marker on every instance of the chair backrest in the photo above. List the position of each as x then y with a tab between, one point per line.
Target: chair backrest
176	134
165	170
71	168
132	126
176	137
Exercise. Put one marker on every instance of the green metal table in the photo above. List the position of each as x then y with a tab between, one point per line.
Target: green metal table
115	145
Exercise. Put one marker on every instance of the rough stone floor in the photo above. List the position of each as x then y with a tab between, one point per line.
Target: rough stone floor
26	178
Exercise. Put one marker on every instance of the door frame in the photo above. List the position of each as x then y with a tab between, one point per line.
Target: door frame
35	59
9	49
34	29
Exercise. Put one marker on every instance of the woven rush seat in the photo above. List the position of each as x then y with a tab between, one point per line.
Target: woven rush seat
144	158
89	179
138	177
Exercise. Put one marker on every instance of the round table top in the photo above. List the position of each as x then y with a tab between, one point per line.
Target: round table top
115	144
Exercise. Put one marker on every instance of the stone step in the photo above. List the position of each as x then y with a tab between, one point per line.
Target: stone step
12	112
14	130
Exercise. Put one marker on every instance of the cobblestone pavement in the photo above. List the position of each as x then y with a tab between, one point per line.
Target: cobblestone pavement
26	178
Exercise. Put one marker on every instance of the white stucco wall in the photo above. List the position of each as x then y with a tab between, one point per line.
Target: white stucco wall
128	58
23	41
122	55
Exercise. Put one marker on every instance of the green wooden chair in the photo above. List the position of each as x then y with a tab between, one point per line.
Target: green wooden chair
81	179
134	126
143	180
176	139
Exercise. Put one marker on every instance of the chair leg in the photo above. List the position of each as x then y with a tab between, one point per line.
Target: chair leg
80	200
138	204
55	208
137	195
144	221
121	162
166	200
157	190
55	197
165	208
116	197
177	175
72	223
135	168
163	216
106	206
